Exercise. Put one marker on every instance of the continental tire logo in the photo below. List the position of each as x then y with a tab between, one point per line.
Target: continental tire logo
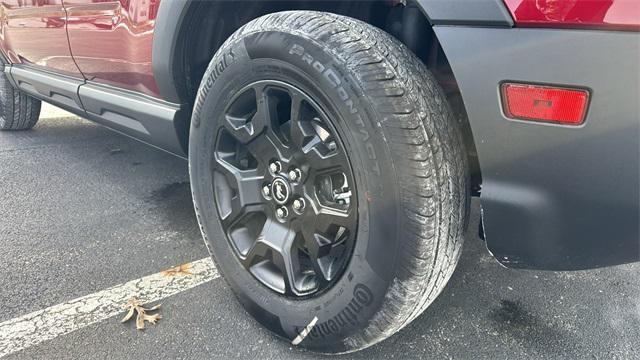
349	316
214	70
229	56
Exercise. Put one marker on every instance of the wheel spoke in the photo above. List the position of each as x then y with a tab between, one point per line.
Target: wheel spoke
235	212
296	104
322	250
332	162
257	252
264	147
245	188
300	134
249	115
289	265
301	129
322	232
246	183
276	245
262	117
328	218
319	246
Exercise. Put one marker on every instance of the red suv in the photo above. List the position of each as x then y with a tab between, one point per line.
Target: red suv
334	145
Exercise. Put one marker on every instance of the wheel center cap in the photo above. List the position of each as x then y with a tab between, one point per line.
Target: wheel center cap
280	190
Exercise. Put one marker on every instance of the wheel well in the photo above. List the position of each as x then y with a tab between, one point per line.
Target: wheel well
204	30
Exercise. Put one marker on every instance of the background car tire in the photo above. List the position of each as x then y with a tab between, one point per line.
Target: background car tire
18	111
407	156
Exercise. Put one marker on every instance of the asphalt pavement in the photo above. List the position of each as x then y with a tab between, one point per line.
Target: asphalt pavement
83	209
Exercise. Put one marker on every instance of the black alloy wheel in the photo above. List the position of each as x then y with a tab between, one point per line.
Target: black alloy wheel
329	178
284	189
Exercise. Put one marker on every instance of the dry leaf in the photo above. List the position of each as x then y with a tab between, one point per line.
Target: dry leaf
133	305
152	318
140	322
156	307
129	314
183	269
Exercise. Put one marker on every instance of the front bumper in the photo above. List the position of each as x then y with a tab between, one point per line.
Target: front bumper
554	197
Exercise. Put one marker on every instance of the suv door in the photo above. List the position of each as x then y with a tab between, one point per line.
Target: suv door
34	33
112	41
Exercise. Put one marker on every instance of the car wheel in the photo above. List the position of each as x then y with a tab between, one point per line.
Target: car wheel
329	178
18	111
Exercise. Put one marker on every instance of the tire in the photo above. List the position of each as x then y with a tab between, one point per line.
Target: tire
18	111
406	155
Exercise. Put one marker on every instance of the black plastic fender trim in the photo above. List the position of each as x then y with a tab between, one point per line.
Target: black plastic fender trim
466	12
165	44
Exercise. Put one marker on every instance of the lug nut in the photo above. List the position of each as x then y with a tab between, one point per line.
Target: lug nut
275	166
295	174
298	204
266	190
282	212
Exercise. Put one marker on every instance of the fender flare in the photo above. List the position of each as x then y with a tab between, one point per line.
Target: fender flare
466	12
166	42
172	13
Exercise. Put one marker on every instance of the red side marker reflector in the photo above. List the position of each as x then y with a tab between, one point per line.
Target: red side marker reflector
544	103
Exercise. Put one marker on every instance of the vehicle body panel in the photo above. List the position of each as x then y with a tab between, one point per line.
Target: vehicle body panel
594	14
111	41
554	197
33	32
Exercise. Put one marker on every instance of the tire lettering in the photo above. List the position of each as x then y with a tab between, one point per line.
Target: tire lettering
228	58
296	50
334	80
362	298
307	58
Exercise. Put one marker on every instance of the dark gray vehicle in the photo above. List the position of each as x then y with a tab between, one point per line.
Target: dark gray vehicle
334	146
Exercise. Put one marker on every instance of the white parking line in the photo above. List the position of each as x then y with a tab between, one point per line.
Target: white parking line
31	329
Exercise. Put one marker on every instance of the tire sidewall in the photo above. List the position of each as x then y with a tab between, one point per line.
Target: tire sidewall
350	304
